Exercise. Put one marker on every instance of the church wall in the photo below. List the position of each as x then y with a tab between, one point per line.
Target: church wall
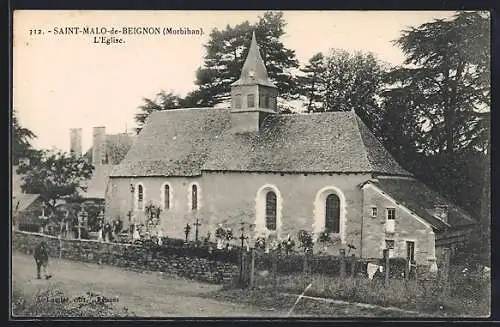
406	228
230	196
173	221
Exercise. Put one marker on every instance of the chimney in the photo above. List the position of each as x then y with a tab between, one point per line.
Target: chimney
441	212
75	141
98	145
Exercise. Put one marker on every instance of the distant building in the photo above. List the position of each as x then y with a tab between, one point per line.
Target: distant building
106	151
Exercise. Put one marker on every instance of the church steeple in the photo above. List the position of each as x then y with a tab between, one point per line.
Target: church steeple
253	95
254	71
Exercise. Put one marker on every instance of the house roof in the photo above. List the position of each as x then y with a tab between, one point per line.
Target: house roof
422	200
254	71
96	185
183	142
21	201
117	146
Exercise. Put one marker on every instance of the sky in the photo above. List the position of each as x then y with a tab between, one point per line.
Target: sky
68	81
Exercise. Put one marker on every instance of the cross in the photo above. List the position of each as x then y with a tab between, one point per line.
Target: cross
196	229
243	237
43	217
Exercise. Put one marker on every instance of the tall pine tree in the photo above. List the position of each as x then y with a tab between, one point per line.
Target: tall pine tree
312	83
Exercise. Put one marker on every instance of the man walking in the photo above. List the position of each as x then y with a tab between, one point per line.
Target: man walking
42	260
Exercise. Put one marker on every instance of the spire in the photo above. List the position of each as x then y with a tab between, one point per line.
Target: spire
254	71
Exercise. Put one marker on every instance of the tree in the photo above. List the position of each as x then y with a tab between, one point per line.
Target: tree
312	83
443	89
21	141
163	101
56	175
450	67
226	52
343	81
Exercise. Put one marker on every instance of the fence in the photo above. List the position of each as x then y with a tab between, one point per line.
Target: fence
267	268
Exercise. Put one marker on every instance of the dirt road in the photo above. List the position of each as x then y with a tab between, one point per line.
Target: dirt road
147	294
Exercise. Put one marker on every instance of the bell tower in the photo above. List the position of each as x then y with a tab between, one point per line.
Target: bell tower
253	96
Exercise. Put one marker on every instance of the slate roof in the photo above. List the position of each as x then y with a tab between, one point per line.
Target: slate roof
174	143
183	142
420	199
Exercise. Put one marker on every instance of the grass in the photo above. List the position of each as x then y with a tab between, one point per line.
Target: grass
469	295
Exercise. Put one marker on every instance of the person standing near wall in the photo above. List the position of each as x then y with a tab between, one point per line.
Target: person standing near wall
42	260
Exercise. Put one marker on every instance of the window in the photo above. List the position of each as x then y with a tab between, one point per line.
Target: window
374	212
250	101
332	214
410	251
166	197
194	197
271	210
389	244
391	214
140	197
266	102
237	101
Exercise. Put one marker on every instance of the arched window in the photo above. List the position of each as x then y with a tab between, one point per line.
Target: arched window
332	214
250	101
194	197
271	210
140	197
166	197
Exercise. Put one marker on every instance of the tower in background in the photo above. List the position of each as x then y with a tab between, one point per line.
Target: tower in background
99	145
76	141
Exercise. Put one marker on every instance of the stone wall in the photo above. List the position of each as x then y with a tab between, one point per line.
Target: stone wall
127	256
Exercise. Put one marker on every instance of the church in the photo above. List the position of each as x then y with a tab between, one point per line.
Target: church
280	173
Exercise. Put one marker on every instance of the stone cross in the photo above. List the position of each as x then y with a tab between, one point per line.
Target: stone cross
197	224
